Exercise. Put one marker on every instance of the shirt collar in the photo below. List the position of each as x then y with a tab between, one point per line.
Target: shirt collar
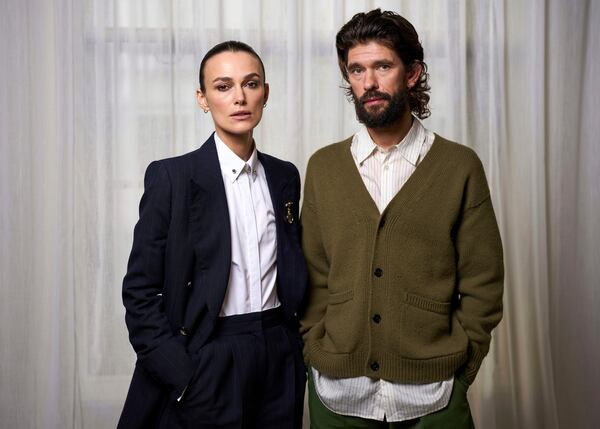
409	148
231	164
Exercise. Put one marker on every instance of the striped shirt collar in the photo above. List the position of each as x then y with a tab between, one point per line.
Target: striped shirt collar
409	148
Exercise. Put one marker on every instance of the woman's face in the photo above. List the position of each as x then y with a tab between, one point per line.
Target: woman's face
235	92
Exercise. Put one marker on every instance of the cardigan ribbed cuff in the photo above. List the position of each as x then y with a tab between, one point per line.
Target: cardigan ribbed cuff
474	362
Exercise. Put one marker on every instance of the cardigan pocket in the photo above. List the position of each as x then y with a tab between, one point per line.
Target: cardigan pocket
340	327
340	297
425	327
428	304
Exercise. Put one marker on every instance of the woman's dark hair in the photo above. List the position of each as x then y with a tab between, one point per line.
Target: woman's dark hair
395	32
229	46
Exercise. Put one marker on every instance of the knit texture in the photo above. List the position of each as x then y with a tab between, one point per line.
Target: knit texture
430	266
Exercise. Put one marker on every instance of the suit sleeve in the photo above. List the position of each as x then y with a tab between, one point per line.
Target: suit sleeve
480	270
316	261
158	350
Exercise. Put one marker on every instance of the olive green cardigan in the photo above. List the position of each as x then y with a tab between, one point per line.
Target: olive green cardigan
410	295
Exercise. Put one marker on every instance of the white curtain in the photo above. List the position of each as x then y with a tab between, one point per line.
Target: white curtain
93	90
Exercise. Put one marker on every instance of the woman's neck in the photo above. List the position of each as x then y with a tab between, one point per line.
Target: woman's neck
241	144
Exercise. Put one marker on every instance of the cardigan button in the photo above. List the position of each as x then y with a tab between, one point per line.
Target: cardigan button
376	318
375	366
378	272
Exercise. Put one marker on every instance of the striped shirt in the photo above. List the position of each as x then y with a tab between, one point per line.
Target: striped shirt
384	172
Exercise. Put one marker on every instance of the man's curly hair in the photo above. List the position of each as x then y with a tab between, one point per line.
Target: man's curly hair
395	32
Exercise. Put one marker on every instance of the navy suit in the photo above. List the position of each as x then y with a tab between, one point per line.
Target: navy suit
179	268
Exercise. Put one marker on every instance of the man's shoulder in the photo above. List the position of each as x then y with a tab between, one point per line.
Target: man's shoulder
455	152
331	152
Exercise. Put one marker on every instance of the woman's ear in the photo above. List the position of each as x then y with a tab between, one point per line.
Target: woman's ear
266	93
201	99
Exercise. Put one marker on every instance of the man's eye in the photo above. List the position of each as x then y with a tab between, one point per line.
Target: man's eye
384	67
252	84
355	71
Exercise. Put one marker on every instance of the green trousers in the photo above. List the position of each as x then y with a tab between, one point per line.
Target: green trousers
456	415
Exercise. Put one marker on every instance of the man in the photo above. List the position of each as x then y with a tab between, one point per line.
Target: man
403	250
216	273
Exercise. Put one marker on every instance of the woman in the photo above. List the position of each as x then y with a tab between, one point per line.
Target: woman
216	274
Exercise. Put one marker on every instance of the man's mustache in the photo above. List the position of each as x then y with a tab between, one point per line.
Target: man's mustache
374	94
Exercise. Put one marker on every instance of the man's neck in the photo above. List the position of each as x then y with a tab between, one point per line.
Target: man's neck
388	137
241	145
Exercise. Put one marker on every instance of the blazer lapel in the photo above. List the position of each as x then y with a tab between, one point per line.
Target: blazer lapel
278	183
282	196
209	225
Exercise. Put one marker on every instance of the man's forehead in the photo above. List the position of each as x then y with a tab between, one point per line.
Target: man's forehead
371	51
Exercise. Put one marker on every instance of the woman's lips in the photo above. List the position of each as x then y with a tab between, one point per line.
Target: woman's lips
243	114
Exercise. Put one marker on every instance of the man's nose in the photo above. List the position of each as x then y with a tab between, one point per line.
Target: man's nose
370	81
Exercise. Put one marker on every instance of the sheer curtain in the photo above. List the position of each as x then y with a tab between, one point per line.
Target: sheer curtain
92	91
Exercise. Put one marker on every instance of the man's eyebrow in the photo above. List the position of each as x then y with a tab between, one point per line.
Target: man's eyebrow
353	65
384	61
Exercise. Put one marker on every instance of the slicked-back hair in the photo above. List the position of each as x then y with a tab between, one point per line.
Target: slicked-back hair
229	46
395	32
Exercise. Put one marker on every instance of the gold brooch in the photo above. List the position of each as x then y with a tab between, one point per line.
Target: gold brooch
289	216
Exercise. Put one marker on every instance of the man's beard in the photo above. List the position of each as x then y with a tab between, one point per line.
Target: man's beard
381	117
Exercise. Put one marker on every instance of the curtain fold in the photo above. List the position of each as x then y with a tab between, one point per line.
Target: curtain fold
93	91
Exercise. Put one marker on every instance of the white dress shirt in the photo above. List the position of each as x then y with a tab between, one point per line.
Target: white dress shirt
384	172
253	272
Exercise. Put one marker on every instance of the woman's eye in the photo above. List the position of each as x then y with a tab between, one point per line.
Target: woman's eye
222	88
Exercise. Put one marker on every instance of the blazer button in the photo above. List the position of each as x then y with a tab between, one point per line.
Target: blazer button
189	283
183	331
375	366
378	272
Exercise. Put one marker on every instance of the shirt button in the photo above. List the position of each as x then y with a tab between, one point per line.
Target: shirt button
375	366
376	318
183	331
378	272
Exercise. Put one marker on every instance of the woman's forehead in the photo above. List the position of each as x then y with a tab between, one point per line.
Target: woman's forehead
232	64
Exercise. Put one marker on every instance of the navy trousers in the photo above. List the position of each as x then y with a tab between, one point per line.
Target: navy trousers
249	375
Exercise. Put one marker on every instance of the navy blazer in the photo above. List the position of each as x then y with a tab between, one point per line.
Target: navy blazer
179	267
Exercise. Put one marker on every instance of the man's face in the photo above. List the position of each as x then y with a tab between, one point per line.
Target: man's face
378	80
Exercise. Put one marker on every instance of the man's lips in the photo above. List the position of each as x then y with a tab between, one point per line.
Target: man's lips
374	98
374	101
